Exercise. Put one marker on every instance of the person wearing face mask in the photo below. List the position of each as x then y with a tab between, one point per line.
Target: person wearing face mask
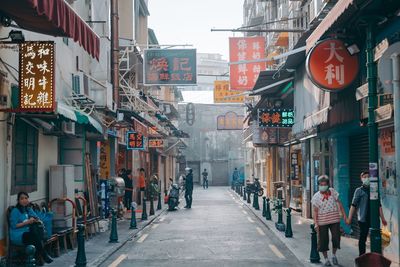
360	204
327	213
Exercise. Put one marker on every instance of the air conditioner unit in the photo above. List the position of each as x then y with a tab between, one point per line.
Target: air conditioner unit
81	83
68	127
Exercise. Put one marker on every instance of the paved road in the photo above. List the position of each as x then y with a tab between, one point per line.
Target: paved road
217	231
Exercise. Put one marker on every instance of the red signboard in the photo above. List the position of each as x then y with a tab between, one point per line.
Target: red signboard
330	65
156	143
244	76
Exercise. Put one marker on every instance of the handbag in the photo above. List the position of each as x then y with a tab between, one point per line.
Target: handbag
38	229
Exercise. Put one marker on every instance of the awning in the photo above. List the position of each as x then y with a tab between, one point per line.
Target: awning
340	8
81	118
316	118
52	17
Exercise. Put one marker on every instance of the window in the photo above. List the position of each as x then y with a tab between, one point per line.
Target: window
25	154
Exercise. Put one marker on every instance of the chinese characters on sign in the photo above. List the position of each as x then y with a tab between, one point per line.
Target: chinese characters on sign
244	76
135	141
156	143
275	117
170	67
222	94
230	121
36	76
330	66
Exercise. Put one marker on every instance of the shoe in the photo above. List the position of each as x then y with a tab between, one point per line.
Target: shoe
327	263
186	207
47	258
334	260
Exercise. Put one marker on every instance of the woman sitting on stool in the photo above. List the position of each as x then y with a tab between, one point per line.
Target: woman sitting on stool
23	228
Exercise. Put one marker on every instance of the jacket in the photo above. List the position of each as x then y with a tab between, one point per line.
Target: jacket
17	217
189	182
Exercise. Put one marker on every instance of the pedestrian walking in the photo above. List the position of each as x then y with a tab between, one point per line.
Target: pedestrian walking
189	188
360	203
126	175
141	184
205	179
327	213
235	176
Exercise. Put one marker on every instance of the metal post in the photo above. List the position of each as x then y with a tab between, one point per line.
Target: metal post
314	254
372	77
80	260
268	216
159	207
151	206
133	224
244	193
114	232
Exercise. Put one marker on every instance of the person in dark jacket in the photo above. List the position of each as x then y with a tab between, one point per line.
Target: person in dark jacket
126	175
22	228
189	188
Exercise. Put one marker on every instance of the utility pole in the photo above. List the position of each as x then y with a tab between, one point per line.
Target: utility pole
372	77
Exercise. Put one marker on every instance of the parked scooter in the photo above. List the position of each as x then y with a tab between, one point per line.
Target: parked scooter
255	188
173	197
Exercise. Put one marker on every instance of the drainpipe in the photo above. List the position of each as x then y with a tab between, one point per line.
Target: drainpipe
372	77
115	52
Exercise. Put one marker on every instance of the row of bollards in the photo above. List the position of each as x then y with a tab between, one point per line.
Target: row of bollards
278	208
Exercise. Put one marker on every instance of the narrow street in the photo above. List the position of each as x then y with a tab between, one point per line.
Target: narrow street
217	231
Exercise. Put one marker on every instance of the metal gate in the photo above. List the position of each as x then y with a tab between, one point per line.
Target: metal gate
359	161
220	173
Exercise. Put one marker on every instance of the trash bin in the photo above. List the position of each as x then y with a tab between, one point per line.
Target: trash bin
372	260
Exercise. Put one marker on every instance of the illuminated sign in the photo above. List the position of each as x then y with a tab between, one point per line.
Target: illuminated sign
190	114
156	143
135	141
222	93
170	67
275	117
36	76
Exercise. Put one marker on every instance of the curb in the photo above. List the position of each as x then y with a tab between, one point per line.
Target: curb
305	264
104	256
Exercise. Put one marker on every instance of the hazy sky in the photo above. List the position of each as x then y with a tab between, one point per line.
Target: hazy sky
190	22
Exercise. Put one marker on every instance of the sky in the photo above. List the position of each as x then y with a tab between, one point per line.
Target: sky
191	21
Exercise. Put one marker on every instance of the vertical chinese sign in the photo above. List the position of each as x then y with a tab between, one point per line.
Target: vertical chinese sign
135	141
104	159
223	94
36	76
243	77
330	66
170	67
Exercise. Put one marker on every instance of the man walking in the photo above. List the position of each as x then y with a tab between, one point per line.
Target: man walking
188	188
205	179
361	204
235	176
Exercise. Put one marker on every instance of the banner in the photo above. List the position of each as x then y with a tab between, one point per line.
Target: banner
170	67
36	76
244	76
222	94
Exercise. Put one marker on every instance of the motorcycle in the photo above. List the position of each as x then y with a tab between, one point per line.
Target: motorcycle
173	197
255	188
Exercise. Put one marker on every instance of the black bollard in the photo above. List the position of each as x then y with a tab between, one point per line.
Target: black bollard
288	232
314	254
256	205
81	254
151	206
159	207
264	210
30	252
279	224
248	197
114	232
268	212
144	210
244	193
133	224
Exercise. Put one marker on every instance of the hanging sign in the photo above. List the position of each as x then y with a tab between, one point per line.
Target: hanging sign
170	67
330	65
244	76
135	141
275	117
104	160
156	143
190	114
36	76
230	121
222	93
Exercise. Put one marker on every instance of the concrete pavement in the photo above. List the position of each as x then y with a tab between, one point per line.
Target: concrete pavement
217	231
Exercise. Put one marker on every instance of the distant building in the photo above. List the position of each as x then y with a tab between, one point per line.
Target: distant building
210	67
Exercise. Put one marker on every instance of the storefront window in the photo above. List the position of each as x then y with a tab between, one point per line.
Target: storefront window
25	152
